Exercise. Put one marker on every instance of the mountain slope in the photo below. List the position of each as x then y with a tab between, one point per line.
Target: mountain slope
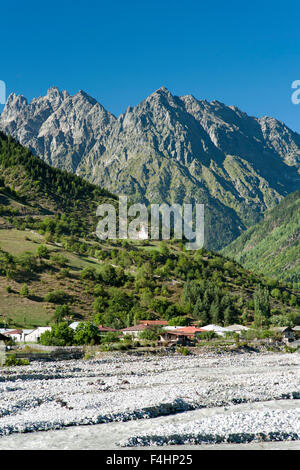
272	247
167	149
30	187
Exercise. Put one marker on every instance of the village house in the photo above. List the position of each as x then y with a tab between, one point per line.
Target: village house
285	332
16	335
235	328
296	331
184	336
134	330
171	337
105	329
35	335
219	330
190	330
154	322
6	330
172	328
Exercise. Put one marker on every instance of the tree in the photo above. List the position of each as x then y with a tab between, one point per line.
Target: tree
28	262
150	334
164	249
179	321
214	313
86	333
99	304
24	292
88	273
61	312
261	306
293	300
108	274
43	251
229	316
276	293
60	335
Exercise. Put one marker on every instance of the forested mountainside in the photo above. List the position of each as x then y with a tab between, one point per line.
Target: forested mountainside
272	246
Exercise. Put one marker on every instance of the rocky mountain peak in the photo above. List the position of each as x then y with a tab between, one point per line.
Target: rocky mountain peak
14	105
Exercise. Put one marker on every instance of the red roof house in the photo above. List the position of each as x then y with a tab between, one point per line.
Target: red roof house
105	329
154	322
190	330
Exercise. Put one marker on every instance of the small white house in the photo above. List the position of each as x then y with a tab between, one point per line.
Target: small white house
74	324
6	330
237	328
16	335
134	330
35	335
172	328
219	330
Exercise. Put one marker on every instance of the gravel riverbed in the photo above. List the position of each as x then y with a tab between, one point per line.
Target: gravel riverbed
138	401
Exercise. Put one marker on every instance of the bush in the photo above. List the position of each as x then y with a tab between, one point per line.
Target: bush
12	360
127	338
60	260
110	337
183	350
89	356
88	273
207	335
24	292
43	251
28	262
57	297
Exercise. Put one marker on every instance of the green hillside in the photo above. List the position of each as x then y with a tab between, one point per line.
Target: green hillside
272	247
53	268
33	191
117	284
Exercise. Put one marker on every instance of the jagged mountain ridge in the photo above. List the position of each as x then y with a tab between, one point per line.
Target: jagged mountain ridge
166	149
59	128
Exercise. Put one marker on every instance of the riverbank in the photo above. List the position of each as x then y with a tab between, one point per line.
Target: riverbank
227	394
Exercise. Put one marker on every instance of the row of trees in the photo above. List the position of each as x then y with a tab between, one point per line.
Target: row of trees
62	335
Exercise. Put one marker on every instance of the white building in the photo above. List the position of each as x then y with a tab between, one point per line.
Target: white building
171	328
74	325
16	335
34	335
219	330
237	328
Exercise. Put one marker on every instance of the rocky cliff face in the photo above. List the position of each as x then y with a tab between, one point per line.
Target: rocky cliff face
166	149
59	128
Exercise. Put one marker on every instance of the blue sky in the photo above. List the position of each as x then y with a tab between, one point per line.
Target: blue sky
241	53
